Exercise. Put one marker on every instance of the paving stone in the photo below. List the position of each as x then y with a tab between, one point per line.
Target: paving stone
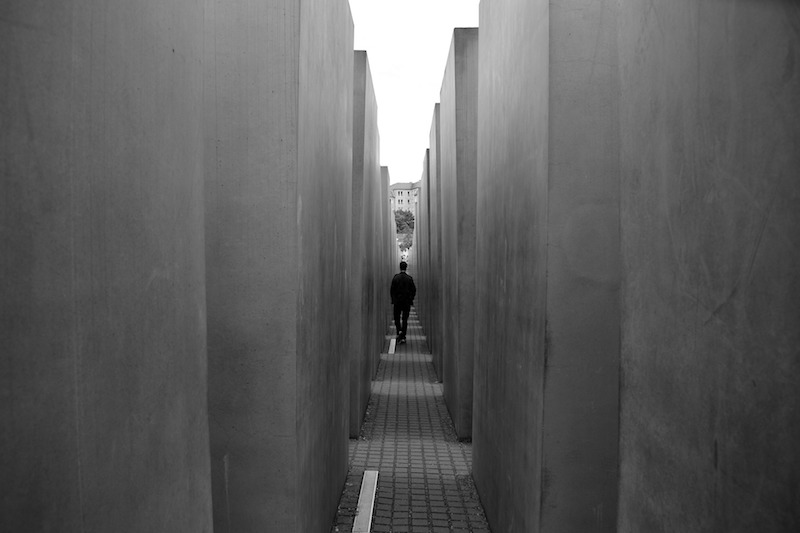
424	481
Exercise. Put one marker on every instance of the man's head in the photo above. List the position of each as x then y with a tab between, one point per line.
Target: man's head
403	266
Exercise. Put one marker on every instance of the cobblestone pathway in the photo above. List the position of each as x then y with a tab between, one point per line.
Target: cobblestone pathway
424	480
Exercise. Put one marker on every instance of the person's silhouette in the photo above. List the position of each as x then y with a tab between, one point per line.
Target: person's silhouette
403	292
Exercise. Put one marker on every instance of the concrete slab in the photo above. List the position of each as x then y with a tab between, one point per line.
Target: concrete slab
706	147
101	295
389	231
279	119
378	254
435	224
710	154
422	245
365	335
548	264
458	166
581	416
511	262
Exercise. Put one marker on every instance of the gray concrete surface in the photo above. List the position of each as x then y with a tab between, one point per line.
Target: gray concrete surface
580	434
681	120
102	302
435	230
511	262
547	339
710	153
279	96
422	245
378	259
366	336
325	171
424	227
389	233
458	166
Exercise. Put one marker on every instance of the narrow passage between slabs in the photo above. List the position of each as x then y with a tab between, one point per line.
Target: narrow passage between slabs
424	481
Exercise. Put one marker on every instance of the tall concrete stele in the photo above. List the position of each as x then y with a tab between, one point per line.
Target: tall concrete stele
710	208
368	252
279	132
174	260
390	233
458	123
548	268
102	358
422	250
638	266
431	213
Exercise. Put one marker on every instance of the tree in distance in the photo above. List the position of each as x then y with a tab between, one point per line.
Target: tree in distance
405	240
404	222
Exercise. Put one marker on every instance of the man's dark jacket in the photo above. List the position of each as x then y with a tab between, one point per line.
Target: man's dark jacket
403	289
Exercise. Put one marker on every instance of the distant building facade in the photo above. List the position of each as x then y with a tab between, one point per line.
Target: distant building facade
404	196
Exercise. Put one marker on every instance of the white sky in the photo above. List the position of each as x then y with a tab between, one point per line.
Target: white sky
407	42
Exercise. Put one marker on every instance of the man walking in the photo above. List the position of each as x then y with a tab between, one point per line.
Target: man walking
403	291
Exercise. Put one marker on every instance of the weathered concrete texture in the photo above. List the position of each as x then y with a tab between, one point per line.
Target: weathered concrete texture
378	266
711	266
511	262
581	382
102	303
547	346
435	229
324	185
392	251
423	226
366	337
458	167
279	96
422	248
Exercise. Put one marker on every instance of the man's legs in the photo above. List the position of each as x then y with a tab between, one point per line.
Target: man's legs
397	309
406	311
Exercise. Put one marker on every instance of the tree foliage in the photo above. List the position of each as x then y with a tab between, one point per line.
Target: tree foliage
405	240
404	220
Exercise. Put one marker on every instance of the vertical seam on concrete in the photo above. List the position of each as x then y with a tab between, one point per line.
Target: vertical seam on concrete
73	279
546	152
214	169
620	267
225	465
296	206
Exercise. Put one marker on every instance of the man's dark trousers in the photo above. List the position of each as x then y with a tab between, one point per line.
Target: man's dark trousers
401	311
402	292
